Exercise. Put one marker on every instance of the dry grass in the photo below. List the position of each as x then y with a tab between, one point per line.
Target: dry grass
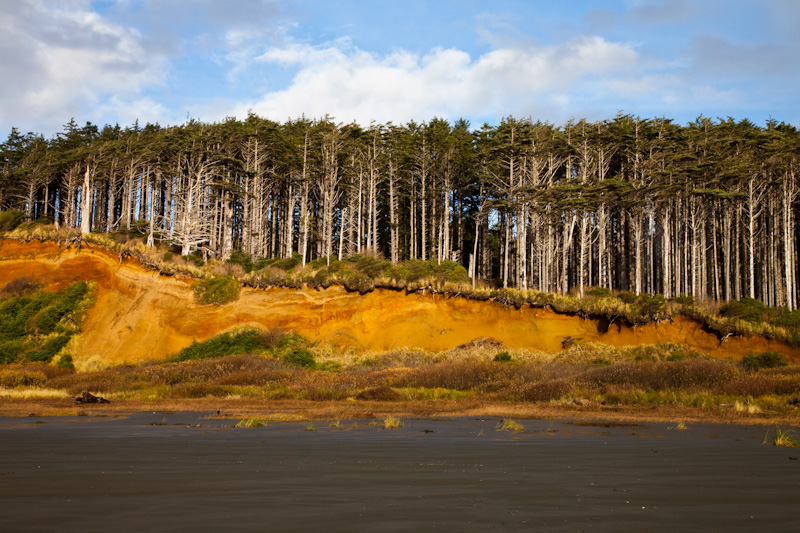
27	393
597	380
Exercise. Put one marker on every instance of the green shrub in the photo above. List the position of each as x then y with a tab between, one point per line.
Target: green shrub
770	359
168	256
288	263
239	257
50	347
359	282
627	297
65	361
787	319
373	267
650	307
502	357
217	290
599	292
747	309
248	340
196	258
300	357
10	350
683	299
9	220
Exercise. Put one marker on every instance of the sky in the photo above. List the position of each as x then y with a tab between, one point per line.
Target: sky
167	61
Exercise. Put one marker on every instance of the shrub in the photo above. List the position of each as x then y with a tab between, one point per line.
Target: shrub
359	282
747	309
627	297
288	263
18	287
22	378
217	290
196	258
787	319
545	391
688	374
502	357
374	267
599	292
300	357
683	299
248	340
50	347
10	351
10	219
168	256
380	394
65	362
770	359
240	258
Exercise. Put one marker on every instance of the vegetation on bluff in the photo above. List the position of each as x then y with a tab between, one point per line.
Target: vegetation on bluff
36	324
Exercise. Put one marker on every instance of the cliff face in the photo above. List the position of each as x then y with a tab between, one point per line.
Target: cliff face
141	315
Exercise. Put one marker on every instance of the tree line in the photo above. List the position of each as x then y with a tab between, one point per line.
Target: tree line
706	209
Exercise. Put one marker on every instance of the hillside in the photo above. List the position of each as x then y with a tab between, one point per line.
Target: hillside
141	315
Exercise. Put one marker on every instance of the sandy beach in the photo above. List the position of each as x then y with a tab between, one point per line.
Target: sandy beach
192	472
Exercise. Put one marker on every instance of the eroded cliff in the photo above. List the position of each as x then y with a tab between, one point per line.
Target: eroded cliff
141	315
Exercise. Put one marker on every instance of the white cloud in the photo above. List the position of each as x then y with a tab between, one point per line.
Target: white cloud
63	62
352	84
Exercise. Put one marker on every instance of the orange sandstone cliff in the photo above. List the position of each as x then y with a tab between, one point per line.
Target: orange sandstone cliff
142	315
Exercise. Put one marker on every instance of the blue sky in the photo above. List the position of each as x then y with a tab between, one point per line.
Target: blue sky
163	61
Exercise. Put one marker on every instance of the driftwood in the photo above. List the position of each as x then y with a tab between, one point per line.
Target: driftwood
88	397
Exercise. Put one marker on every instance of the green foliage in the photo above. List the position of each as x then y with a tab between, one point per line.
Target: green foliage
238	257
168	256
65	362
9	220
747	309
359	282
787	319
649	307
196	258
217	290
370	266
599	292
627	297
10	351
248	340
300	357
769	359
502	357
28	322
288	263
683	299
48	349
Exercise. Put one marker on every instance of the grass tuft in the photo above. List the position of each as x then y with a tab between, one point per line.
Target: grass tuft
508	424
392	423
781	438
252	422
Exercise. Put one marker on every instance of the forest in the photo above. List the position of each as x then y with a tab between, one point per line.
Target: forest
706	209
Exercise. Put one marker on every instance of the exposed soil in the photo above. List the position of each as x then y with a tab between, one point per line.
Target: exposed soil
141	315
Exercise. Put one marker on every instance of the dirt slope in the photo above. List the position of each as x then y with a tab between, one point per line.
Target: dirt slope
140	315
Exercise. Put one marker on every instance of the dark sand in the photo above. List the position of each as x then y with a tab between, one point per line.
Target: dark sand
183	472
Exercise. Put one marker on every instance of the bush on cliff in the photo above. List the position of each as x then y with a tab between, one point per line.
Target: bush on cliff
217	290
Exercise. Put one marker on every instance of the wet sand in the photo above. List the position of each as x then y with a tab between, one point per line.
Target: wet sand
186	472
